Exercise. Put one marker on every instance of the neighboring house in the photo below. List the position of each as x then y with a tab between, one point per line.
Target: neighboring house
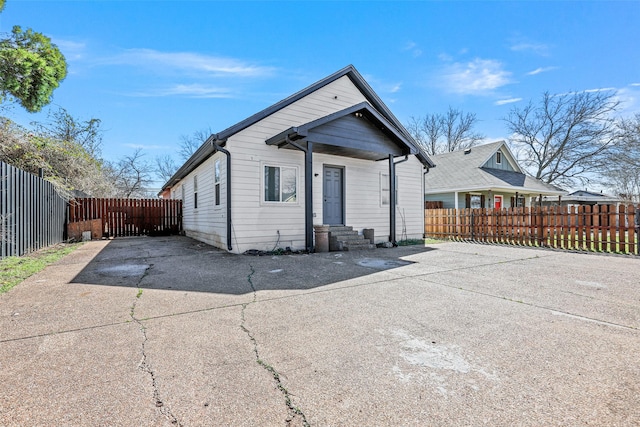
484	176
328	154
582	197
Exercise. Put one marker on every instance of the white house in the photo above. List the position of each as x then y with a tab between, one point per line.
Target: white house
328	154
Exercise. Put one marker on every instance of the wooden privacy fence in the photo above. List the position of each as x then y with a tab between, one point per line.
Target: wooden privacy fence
599	228
129	217
32	213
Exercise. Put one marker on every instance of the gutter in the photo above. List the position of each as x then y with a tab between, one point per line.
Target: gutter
216	147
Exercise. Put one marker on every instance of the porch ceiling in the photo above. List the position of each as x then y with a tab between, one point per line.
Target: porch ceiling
358	132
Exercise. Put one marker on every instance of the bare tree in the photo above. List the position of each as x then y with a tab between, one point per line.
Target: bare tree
63	126
442	133
622	168
132	175
565	138
165	167
190	143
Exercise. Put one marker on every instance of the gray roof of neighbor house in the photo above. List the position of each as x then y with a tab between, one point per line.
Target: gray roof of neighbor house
462	171
590	196
207	149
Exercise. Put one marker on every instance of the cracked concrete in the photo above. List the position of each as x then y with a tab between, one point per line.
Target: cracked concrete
295	415
451	334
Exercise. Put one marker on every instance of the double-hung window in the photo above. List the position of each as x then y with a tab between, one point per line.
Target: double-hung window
280	184
216	180
195	192
385	195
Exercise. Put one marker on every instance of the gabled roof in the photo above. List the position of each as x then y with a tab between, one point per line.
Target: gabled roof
364	111
463	171
208	148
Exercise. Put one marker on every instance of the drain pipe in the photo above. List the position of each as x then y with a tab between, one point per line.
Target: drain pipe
216	148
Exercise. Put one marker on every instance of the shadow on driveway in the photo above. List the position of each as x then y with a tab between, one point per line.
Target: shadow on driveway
183	264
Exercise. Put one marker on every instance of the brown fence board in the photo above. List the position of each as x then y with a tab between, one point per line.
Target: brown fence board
129	217
598	228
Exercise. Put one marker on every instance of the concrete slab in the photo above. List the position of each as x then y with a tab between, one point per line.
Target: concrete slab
169	331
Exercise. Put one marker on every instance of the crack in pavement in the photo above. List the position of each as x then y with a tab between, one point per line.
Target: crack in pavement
293	411
144	365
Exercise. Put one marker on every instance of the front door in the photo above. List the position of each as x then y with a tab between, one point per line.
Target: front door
333	202
497	202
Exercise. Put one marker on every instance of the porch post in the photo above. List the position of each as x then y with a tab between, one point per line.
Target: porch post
308	196
392	200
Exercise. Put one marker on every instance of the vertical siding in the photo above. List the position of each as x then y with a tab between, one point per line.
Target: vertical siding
504	165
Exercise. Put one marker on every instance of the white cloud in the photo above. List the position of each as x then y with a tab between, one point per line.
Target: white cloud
146	147
507	101
525	46
188	90
600	89
541	70
477	77
634	84
71	50
188	61
413	48
381	86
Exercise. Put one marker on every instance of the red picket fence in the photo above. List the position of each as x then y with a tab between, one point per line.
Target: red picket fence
129	217
599	228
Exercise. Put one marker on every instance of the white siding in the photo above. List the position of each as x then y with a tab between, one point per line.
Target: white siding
208	222
255	224
259	225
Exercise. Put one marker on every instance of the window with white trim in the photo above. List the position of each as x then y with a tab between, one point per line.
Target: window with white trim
195	192
385	196
280	184
476	201
216	180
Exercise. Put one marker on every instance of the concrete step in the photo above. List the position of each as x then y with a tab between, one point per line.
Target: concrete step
358	246
345	238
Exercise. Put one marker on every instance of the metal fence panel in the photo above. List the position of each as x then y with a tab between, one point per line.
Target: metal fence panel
32	213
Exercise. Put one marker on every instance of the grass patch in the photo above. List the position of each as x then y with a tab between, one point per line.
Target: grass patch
14	270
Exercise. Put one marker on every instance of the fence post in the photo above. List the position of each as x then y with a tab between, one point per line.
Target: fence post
472	230
637	227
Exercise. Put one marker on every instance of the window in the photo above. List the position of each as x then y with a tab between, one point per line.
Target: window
195	192
476	201
280	184
216	180
499	158
385	196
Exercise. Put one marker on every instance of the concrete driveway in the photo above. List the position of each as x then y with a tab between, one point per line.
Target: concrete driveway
167	331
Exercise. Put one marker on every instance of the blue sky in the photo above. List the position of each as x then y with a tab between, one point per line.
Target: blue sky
155	70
